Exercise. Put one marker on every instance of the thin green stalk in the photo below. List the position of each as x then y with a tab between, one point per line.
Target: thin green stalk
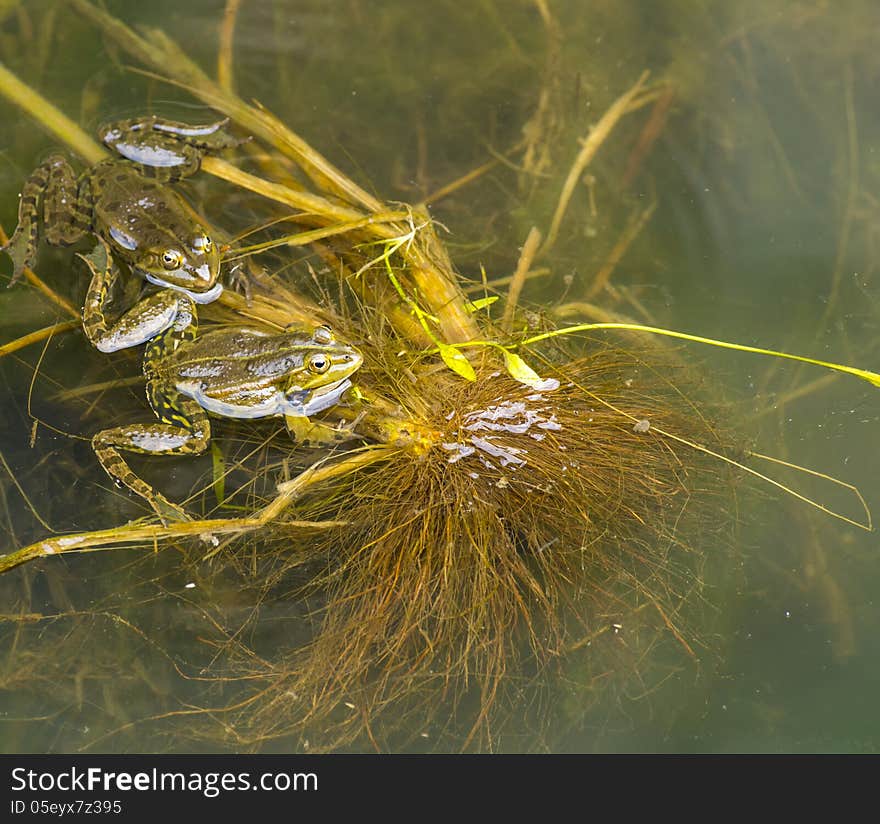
871	377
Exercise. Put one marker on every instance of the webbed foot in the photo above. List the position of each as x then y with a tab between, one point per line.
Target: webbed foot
20	250
168	512
307	432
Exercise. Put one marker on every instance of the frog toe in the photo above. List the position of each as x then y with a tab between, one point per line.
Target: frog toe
215	137
306	432
20	254
168	512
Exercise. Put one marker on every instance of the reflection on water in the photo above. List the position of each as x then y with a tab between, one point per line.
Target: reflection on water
742	204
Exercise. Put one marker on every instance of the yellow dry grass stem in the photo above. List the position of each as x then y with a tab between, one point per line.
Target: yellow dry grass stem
310	237
634	98
49	116
224	52
147	535
37	336
527	255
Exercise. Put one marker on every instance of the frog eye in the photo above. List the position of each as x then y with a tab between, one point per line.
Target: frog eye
319	363
322	334
203	244
171	259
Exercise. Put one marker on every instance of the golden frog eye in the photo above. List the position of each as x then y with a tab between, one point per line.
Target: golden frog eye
322	334
319	363
171	259
203	244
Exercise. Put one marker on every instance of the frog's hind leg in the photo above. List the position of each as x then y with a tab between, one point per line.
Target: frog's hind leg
67	206
209	137
166	149
183	430
53	186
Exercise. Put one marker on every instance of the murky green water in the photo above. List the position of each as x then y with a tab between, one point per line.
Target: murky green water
766	178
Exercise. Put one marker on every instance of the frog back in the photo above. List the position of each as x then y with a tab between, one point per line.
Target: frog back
137	213
239	373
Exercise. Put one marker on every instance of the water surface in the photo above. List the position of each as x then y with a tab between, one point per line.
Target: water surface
765	176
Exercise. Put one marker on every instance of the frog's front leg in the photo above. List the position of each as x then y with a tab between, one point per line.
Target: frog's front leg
52	186
184	430
167	309
307	432
166	149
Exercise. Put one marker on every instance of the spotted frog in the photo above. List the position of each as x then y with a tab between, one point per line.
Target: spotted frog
128	204
230	372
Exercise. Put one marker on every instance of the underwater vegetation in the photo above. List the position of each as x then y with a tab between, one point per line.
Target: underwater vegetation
534	511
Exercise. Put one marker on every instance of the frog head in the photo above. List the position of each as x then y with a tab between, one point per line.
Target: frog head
322	374
192	266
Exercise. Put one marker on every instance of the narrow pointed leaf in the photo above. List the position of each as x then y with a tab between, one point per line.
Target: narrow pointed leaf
218	471
481	303
457	362
520	371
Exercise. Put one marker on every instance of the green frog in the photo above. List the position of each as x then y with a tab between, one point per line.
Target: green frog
128	204
230	372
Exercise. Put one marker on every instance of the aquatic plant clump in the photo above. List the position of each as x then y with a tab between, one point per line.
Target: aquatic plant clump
533	520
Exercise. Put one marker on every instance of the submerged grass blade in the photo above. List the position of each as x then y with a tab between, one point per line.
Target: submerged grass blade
869	526
218	473
37	336
23	494
49	116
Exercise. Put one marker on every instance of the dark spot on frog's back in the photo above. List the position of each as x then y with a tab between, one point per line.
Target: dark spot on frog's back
121	177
